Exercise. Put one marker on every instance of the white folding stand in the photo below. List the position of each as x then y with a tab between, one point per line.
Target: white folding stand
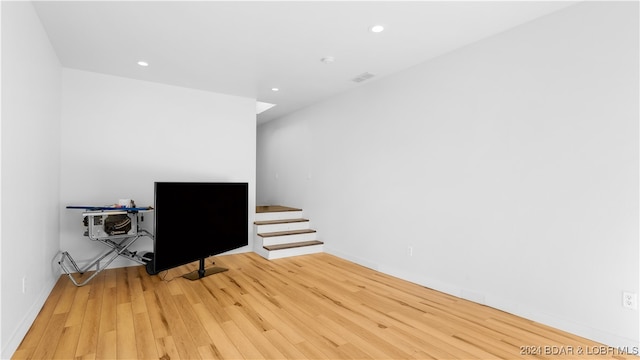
118	238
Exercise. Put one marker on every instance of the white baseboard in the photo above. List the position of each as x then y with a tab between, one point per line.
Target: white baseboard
16	337
585	331
351	258
121	261
597	335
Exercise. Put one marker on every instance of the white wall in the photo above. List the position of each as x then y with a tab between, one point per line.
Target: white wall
509	166
119	136
31	78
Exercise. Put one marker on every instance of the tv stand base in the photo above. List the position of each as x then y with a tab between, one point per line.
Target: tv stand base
202	272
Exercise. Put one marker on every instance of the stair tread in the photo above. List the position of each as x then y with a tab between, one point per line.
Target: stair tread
288	232
293	245
283	221
274	208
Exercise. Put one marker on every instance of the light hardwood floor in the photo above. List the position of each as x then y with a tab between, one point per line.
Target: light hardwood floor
308	307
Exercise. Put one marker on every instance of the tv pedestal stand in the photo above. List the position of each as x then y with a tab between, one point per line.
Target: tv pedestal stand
202	272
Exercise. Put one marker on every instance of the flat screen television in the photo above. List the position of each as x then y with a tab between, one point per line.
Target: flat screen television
195	220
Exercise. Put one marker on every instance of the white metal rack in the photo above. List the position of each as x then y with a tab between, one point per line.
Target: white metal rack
116	228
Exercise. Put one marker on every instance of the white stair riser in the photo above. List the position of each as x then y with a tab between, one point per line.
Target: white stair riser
257	248
303	250
285	239
260	229
281	215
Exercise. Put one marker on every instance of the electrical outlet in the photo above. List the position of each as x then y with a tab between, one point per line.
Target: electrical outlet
24	284
630	300
410	250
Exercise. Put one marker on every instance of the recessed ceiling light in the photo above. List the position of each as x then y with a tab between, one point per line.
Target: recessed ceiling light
376	28
143	63
275	89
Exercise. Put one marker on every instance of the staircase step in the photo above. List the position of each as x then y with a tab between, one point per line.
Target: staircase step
269	226
285	237
293	245
274	208
281	231
286	233
283	221
277	212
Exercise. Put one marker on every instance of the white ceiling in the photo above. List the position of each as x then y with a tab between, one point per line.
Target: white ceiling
247	48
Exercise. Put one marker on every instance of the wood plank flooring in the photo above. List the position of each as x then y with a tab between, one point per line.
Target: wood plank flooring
308	307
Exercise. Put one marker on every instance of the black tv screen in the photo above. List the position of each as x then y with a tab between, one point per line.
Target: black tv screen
195	220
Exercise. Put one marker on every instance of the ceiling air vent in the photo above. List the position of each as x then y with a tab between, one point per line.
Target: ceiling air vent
362	77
